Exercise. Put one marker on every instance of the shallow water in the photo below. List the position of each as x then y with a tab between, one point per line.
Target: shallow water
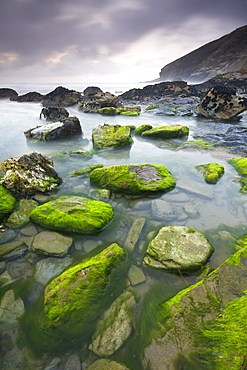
221	208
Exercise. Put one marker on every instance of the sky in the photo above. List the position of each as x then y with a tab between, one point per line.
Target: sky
106	40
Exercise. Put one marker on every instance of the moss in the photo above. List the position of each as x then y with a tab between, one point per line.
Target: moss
139	130
84	172
111	136
73	214
199	144
85	153
130	113
167	132
154	106
212	172
125	111
7	201
240	164
108	111
134	179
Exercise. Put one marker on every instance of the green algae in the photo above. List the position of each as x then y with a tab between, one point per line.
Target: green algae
167	132
240	165
212	172
111	136
73	214
134	179
84	172
124	111
154	106
7	201
139	130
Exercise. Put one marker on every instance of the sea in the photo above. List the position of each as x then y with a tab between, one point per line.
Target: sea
218	211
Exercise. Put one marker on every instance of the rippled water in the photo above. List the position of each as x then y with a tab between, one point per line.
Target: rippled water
221	208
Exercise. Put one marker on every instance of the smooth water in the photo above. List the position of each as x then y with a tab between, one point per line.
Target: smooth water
221	208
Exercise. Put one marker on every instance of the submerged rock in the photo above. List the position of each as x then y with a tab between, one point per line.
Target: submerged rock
7	202
51	243
111	136
212	172
167	132
123	111
28	174
178	248
73	214
71	300
55	130
106	364
145	127
134	179
47	268
20	216
11	310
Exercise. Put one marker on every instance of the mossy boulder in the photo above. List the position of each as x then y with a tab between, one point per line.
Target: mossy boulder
84	172
134	178
73	214
204	326
139	130
178	248
20	216
212	172
111	136
124	111
7	202
167	132
72	299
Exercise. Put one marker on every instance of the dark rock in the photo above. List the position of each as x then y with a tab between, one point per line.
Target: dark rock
54	113
61	96
29	97
7	93
94	99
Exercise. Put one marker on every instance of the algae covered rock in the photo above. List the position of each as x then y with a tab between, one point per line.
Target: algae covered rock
73	214
145	127
240	164
111	136
178	248
212	172
167	132
20	216
134	178
7	202
29	174
72	299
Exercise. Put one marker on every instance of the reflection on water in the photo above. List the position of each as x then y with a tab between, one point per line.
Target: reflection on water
219	211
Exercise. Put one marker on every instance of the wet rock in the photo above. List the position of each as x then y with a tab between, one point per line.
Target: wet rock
33	293
139	130
100	193
105	364
20	269
51	243
222	103
29	230
178	248
84	172
7	236
28	174
194	187
48	268
20	216
163	210
134	233
11	309
134	179
122	111
190	210
167	132
6	93
11	248
2	266
94	98
5	278
212	172
54	113
73	214
136	275
55	130
73	363
29	97
111	136
115	327
7	202
61	96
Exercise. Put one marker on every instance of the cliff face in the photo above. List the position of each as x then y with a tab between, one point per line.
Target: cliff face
228	53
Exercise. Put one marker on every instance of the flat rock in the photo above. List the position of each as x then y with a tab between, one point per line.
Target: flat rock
163	210
48	268
51	243
136	275
10	310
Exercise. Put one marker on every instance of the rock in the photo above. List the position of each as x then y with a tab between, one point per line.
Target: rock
2	266
48	268
7	236
84	153
105	364
53	364
163	210
100	193
167	132
29	97
178	248
111	136
73	363
187	322
71	300
123	111
94	99
54	113
145	127
29	230
61	96
73	214
11	309
212	172
5	278
7	202
136	275
51	243
134	234
7	248
222	103
20	217
84	172
194	187
7	93
20	269
190	210
134	179
28	174
240	165
55	130
115	327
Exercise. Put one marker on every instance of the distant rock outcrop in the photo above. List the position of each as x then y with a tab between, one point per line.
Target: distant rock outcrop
228	53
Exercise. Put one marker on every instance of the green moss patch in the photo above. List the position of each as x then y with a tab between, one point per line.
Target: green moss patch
139	130
167	132
84	172
212	172
111	136
240	164
124	111
7	201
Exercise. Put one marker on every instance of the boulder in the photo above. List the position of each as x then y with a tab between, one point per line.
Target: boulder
212	172
167	132
115	327
145	127
111	136
7	93
73	214
20	216
29	174
222	103
94	99
203	326
134	178
28	98
55	130
51	243
7	202
61	96
178	248
54	113
71	300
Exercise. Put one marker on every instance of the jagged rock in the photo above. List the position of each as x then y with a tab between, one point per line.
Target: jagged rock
73	214
20	216
94	99
29	97
54	113
7	202
7	93
29	174
111	136
167	132
222	103
134	179
61	96
55	130
51	243
178	248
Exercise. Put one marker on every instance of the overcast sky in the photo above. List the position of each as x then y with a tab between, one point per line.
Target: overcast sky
106	40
